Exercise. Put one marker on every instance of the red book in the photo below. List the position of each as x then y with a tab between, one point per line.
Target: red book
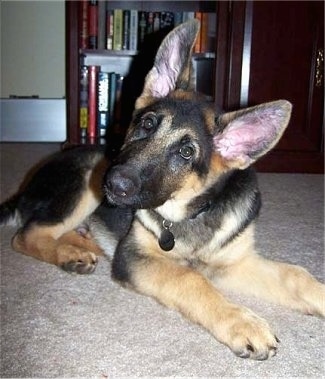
92	102
93	24
84	24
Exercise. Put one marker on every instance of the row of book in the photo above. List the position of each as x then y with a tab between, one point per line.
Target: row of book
99	102
117	29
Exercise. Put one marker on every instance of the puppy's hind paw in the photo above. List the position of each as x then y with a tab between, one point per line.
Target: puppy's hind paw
80	263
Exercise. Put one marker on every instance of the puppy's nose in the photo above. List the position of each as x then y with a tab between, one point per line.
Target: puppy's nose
122	184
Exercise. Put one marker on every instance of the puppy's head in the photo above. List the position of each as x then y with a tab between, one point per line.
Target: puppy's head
176	146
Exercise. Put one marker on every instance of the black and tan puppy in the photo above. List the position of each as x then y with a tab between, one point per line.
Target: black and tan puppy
179	208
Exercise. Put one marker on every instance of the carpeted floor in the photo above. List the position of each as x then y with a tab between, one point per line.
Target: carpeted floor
54	324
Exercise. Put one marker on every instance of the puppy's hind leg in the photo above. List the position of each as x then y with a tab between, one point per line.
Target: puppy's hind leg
50	244
282	283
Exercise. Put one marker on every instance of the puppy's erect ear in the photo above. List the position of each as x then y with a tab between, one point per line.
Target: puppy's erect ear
172	67
246	135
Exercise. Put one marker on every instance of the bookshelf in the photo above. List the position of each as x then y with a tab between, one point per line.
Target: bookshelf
132	65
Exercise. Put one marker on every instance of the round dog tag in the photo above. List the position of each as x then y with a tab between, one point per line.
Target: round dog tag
166	240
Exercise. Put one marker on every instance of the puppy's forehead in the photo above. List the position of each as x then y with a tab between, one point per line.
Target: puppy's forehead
179	113
171	130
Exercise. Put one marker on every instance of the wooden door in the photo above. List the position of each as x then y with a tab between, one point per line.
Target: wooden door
279	43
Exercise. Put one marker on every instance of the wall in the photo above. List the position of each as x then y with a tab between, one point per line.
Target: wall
33	48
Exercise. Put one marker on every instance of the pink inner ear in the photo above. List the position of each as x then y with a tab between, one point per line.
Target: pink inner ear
248	136
160	84
166	71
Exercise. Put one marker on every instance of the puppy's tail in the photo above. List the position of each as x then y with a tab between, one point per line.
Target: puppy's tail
9	213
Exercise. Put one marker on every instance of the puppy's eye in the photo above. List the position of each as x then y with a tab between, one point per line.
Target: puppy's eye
150	121
186	151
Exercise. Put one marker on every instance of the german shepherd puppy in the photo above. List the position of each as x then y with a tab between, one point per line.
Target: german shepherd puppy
179	207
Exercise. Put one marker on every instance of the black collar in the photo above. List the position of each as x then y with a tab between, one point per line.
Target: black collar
167	239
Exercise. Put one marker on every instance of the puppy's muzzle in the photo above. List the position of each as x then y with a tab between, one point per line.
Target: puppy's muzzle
121	184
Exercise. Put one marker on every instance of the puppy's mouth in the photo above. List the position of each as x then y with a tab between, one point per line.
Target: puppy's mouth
140	200
121	199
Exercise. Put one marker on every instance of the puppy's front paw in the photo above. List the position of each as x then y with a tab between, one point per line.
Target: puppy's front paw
248	335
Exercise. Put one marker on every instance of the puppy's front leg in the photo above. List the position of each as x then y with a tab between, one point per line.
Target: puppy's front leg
184	289
278	282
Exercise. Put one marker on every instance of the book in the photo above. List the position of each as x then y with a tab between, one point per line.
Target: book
149	27
197	45
126	30
188	16
84	24
156	22
178	18
109	29
118	29
102	103
117	106
112	96
204	32
83	101
93	24
133	30
101	44
166	20
142	27
92	102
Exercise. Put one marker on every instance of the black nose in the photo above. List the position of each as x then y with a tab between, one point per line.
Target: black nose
122	182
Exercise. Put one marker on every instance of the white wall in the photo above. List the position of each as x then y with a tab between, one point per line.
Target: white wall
33	48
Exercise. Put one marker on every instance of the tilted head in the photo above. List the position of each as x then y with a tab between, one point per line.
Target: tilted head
176	146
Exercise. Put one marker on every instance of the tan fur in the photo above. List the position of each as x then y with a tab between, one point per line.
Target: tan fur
184	95
96	178
182	288
175	209
217	166
69	249
210	120
285	284
167	277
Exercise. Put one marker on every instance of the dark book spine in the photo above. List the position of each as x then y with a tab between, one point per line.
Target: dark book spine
112	97
142	27
126	30
93	24
167	20
117	105
178	18
149	28
101	25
